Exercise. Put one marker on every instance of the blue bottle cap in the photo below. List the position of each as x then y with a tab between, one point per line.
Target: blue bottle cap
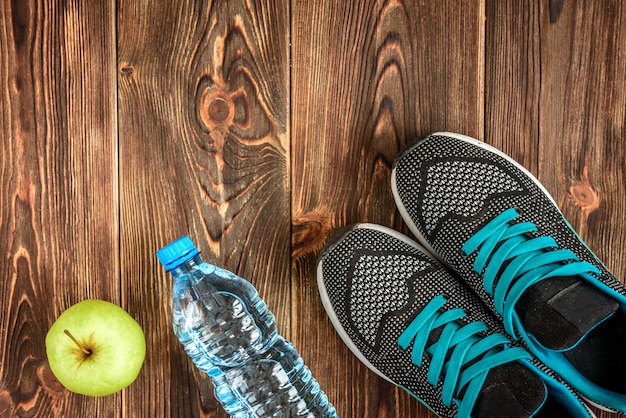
177	253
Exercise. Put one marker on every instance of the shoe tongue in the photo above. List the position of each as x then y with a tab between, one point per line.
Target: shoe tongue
560	311
510	390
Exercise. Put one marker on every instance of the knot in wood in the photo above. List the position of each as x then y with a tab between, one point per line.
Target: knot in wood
218	109
310	232
127	70
584	196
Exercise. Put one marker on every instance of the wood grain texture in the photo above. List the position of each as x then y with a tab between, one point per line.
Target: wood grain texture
203	111
59	187
512	79
368	77
259	128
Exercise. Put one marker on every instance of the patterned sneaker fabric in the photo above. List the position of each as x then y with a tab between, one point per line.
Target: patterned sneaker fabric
465	201
389	302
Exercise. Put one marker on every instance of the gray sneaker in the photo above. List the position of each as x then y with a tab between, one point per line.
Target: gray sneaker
411	322
488	219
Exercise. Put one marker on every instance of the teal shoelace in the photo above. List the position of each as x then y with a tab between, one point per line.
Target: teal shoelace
511	260
457	346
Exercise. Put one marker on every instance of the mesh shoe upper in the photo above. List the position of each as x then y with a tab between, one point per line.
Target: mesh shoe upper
450	189
378	288
445	206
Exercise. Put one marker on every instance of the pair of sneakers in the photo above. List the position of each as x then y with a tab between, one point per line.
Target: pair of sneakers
500	311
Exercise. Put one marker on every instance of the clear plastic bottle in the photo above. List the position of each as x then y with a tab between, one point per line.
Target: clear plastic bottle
230	334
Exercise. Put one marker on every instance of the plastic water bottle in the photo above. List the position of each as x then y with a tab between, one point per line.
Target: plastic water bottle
230	334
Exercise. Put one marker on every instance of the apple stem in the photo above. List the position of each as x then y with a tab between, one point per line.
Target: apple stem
83	349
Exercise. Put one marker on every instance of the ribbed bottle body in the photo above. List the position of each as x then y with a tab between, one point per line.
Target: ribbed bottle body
229	333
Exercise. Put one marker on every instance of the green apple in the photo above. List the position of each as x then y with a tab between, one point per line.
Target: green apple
95	348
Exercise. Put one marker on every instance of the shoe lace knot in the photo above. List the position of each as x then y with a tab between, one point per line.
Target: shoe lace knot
462	355
511	257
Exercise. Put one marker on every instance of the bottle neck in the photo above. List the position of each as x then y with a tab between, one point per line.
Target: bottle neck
186	267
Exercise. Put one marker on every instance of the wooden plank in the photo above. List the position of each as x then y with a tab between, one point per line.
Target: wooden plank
367	78
583	122
512	80
58	171
204	151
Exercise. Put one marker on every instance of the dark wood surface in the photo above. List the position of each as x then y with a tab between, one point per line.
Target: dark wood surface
258	128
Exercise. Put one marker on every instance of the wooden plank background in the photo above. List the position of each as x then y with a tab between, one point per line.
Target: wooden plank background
258	128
